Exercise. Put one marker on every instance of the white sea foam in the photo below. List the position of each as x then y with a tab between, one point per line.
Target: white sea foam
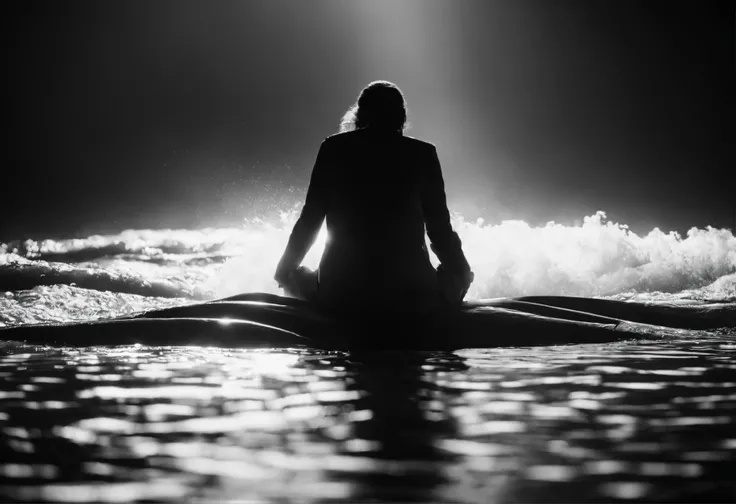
512	258
595	258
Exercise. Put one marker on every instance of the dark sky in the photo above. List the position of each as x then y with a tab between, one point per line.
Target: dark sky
139	114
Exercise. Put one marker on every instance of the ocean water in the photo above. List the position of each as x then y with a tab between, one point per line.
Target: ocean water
631	421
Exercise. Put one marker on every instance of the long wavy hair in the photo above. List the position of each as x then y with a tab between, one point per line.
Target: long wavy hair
381	104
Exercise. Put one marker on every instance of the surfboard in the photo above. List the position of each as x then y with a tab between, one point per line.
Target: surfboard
258	320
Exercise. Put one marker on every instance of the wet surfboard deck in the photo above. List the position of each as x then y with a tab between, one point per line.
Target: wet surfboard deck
258	320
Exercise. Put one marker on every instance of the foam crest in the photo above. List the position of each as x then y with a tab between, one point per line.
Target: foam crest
19	274
513	258
132	241
596	258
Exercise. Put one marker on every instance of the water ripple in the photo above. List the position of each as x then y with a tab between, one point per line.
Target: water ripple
578	423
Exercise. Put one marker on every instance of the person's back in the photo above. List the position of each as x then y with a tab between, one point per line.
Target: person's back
377	189
376	253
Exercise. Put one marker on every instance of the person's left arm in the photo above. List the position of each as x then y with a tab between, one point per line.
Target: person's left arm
309	223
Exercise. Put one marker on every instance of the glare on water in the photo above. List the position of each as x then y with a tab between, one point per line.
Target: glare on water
651	421
627	421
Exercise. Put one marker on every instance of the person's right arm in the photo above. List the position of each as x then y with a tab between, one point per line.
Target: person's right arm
310	220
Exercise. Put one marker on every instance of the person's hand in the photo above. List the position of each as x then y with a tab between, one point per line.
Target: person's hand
284	276
300	283
454	286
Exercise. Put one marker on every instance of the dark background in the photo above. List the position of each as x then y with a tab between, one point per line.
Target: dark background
140	114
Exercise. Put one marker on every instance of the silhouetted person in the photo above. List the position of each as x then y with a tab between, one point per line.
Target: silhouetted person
377	190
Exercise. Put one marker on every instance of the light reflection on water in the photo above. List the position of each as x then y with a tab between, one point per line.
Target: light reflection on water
625	421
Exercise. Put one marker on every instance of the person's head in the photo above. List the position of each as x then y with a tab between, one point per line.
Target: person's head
381	105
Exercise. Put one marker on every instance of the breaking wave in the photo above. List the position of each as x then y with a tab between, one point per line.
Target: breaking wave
595	258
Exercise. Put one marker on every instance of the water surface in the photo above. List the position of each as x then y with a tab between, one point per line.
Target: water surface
580	423
633	421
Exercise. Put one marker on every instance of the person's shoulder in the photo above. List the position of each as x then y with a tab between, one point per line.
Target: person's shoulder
342	136
335	137
347	137
338	139
416	141
420	145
